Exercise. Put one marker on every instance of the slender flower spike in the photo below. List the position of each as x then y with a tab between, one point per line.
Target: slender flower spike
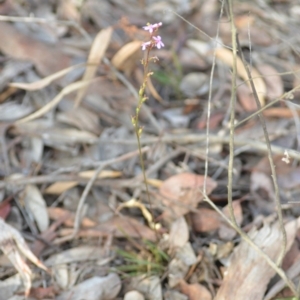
158	42
152	27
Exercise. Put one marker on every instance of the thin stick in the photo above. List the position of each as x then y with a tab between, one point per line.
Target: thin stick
196	138
232	114
209	101
270	157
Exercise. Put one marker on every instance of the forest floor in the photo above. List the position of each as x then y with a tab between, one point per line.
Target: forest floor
149	163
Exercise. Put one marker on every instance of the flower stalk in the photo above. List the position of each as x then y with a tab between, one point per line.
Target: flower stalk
155	41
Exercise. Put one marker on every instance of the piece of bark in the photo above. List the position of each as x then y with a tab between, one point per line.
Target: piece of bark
248	275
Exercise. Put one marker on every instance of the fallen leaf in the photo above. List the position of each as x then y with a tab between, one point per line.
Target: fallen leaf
150	286
181	193
246	98
195	291
47	58
56	213
36	205
179	233
76	254
205	220
121	58
5	208
225	55
226	232
58	188
95	288
280	112
43	292
11	111
248	274
273	81
12	244
97	51
118	226
81	118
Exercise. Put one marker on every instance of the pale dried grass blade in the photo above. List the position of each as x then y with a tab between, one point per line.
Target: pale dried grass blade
67	90
124	53
146	213
58	188
98	49
33	86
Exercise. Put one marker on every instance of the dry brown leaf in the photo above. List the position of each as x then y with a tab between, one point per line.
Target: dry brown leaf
205	220
59	187
33	86
49	235
248	274
36	205
280	112
79	117
121	57
57	213
273	81
68	10
182	192
119	226
126	226
244	21
226	232
154	182
48	59
179	233
195	291
225	56
43	292
246	97
97	51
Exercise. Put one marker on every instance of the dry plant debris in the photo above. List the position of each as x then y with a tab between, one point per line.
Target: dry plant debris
75	198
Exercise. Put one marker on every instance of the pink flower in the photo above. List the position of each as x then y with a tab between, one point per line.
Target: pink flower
158	42
152	27
145	45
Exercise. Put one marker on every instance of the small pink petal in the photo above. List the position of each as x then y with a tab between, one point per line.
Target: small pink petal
145	45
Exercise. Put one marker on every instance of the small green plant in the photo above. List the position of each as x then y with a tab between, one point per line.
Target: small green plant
152	261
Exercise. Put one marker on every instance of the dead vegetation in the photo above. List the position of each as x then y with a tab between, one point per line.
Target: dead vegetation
214	215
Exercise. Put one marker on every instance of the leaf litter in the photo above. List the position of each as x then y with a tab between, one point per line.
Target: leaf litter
69	78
